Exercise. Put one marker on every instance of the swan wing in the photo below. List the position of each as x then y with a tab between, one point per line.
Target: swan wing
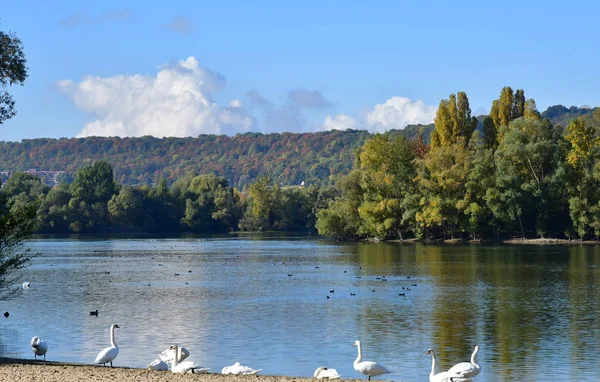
107	355
42	347
371	368
464	370
327	374
158	365
169	354
184	367
446	376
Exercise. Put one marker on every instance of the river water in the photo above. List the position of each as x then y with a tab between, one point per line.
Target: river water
262	301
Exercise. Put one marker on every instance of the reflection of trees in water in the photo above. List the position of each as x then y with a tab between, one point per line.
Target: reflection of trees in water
582	301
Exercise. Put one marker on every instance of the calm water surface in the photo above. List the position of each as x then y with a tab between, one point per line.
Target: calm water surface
533	310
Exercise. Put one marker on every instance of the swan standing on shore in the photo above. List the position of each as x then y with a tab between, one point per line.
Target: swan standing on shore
110	353
237	369
467	369
444	376
185	366
325	373
39	347
369	368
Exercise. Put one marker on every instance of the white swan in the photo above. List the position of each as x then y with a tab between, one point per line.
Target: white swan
168	355
185	366
467	369
158	365
26	285
237	369
444	376
39	347
369	368
325	373
110	353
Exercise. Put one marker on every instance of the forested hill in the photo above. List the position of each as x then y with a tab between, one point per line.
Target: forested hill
289	158
315	158
561	115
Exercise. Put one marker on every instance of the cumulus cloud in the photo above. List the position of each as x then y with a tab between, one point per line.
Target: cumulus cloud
175	102
310	99
395	113
340	122
84	17
180	24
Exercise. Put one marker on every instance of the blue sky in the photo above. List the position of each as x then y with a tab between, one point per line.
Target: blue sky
189	67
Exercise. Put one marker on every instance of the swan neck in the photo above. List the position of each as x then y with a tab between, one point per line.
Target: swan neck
112	337
432	363
473	356
175	361
359	354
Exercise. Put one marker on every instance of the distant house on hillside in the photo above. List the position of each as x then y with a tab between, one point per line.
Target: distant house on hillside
50	178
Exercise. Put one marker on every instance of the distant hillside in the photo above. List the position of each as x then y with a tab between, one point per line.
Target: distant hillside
315	158
560	115
289	158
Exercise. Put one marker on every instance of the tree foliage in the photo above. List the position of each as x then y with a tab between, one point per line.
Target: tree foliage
13	71
17	221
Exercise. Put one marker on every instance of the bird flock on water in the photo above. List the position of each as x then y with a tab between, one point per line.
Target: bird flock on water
174	358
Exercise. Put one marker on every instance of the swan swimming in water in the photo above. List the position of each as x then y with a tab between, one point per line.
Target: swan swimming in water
39	347
369	368
26	285
325	373
444	376
237	369
185	366
467	369
110	353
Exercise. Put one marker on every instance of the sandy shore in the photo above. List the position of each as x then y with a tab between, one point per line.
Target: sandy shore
17	370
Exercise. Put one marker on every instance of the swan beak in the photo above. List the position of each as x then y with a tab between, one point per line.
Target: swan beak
428	352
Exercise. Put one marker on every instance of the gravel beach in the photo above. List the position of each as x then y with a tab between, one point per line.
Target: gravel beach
28	370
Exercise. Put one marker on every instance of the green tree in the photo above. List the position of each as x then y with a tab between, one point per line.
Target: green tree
341	218
526	159
582	159
442	177
264	205
387	173
453	121
126	209
13	70
17	221
95	183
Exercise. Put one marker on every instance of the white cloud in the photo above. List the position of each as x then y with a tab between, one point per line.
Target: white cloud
395	113
176	102
235	103
340	122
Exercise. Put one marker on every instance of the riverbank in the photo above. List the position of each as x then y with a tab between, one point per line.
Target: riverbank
22	370
517	240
